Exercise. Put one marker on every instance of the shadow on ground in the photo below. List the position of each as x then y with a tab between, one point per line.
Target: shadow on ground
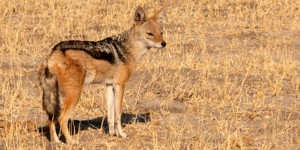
98	123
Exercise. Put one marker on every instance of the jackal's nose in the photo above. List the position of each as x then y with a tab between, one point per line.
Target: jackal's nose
163	44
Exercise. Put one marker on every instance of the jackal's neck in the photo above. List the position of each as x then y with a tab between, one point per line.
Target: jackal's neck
132	45
122	37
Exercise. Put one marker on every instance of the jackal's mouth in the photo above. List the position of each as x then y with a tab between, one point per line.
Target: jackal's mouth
159	46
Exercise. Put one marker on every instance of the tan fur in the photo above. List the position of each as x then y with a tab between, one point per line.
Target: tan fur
74	68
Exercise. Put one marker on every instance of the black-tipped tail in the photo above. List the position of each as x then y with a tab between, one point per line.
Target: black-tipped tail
50	99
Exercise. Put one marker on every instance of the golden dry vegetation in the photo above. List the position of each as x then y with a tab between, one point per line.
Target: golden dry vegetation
228	79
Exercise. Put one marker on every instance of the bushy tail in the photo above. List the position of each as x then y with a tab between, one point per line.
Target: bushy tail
49	85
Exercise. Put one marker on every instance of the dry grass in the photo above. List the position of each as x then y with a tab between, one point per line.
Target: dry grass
228	79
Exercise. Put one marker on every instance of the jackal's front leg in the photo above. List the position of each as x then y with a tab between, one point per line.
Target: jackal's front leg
110	103
119	92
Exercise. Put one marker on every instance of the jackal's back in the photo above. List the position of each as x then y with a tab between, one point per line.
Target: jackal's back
112	49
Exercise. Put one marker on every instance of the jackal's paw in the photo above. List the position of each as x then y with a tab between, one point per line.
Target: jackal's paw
55	140
121	134
112	132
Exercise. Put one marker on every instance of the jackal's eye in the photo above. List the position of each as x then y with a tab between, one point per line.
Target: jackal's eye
150	34
161	33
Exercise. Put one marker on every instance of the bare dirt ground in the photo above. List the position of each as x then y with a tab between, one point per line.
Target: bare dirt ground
228	79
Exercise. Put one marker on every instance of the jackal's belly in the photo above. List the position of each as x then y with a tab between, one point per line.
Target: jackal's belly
89	77
92	77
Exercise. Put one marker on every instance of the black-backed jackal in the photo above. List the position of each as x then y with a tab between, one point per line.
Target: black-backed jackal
72	64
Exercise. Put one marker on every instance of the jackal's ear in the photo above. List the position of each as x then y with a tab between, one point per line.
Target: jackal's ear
139	16
160	15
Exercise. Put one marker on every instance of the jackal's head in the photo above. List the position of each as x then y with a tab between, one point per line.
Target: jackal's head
148	31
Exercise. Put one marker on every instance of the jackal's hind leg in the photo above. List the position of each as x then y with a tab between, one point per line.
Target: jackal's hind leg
71	84
53	134
70	100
